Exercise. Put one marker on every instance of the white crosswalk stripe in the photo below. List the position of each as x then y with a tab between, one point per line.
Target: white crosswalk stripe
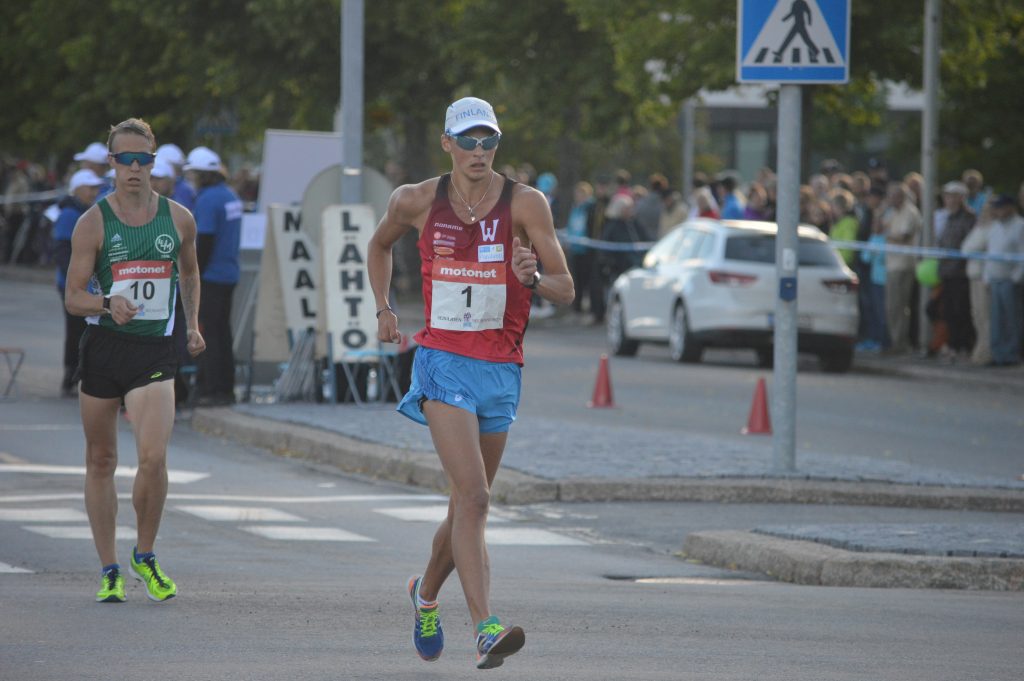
292	533
241	514
42	515
428	514
77	531
173	476
268	522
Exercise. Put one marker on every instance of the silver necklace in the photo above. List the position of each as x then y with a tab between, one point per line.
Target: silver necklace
472	209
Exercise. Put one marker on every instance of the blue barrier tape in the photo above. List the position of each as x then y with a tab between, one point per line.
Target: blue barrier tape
921	251
603	245
924	252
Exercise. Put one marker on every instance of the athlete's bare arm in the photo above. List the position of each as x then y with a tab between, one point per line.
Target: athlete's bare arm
86	244
533	225
188	275
407	209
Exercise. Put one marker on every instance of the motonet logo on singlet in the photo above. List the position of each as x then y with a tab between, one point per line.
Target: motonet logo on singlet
480	273
147	268
465	272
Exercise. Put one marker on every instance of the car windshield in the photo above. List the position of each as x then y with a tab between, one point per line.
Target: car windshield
761	248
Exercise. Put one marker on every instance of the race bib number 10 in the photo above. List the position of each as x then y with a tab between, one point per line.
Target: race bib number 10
467	296
147	283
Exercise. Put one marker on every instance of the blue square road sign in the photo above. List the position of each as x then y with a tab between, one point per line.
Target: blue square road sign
793	41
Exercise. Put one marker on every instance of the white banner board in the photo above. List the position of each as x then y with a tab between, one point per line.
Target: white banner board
349	315
298	267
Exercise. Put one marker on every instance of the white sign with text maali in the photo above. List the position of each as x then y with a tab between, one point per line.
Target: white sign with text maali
298	268
350	314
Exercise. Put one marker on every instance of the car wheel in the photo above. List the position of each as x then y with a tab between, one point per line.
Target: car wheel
619	343
765	358
681	344
837	362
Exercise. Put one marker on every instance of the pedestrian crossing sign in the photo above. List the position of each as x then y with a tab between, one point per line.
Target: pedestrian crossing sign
793	41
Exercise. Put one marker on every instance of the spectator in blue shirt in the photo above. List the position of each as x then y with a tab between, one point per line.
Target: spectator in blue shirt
83	189
730	197
218	214
183	192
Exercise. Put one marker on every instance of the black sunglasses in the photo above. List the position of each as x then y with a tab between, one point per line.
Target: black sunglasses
469	143
126	158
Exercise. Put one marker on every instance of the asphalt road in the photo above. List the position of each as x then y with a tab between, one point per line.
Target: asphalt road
258	602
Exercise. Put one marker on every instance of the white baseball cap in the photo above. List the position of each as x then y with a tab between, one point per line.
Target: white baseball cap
171	153
84	178
162	168
203	158
94	153
954	187
469	112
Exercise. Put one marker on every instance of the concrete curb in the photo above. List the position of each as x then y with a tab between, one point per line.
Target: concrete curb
513	487
422	469
804	562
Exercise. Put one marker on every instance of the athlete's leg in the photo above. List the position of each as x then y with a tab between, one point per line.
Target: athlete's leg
456	436
441	563
99	421
152	410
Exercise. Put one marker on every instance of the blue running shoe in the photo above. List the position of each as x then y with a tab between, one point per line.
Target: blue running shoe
427	635
494	643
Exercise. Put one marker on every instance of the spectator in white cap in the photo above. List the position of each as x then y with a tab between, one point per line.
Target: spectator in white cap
482	237
162	177
218	213
83	189
183	193
94	158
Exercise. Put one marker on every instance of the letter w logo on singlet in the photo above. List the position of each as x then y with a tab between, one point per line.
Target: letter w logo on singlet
489	234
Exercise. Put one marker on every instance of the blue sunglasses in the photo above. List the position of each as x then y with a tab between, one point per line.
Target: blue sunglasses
469	143
126	158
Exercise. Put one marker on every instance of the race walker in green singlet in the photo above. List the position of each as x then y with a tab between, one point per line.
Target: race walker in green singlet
141	264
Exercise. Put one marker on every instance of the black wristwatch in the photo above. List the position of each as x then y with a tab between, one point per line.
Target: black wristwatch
536	281
106	303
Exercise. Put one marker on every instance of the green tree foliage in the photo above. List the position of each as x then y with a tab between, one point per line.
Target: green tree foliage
198	70
576	82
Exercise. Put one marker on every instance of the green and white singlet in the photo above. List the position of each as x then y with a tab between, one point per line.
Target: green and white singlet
141	264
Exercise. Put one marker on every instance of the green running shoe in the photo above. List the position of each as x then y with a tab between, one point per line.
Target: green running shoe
494	643
159	587
112	590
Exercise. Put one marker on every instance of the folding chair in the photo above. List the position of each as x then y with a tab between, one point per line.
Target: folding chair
14	357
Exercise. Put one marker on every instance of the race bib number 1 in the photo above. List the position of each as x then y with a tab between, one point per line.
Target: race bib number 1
467	296
147	283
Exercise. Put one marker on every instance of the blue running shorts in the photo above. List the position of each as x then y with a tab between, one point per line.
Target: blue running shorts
488	389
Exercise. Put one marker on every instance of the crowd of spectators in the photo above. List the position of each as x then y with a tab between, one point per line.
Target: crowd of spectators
32	194
975	305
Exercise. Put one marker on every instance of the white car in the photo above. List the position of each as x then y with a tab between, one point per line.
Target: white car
712	283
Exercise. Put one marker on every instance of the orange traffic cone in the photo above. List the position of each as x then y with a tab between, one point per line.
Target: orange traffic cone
758	422
602	387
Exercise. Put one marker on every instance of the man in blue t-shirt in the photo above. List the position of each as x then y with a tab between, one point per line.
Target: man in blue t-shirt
218	213
83	190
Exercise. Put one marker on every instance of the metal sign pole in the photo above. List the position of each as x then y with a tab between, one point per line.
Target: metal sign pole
786	260
929	149
352	21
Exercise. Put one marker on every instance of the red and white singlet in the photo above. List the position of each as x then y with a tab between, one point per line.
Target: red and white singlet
475	306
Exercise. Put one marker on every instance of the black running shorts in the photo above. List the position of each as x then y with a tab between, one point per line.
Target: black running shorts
113	363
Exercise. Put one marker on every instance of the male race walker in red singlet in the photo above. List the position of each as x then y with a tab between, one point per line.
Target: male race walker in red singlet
481	236
127	254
